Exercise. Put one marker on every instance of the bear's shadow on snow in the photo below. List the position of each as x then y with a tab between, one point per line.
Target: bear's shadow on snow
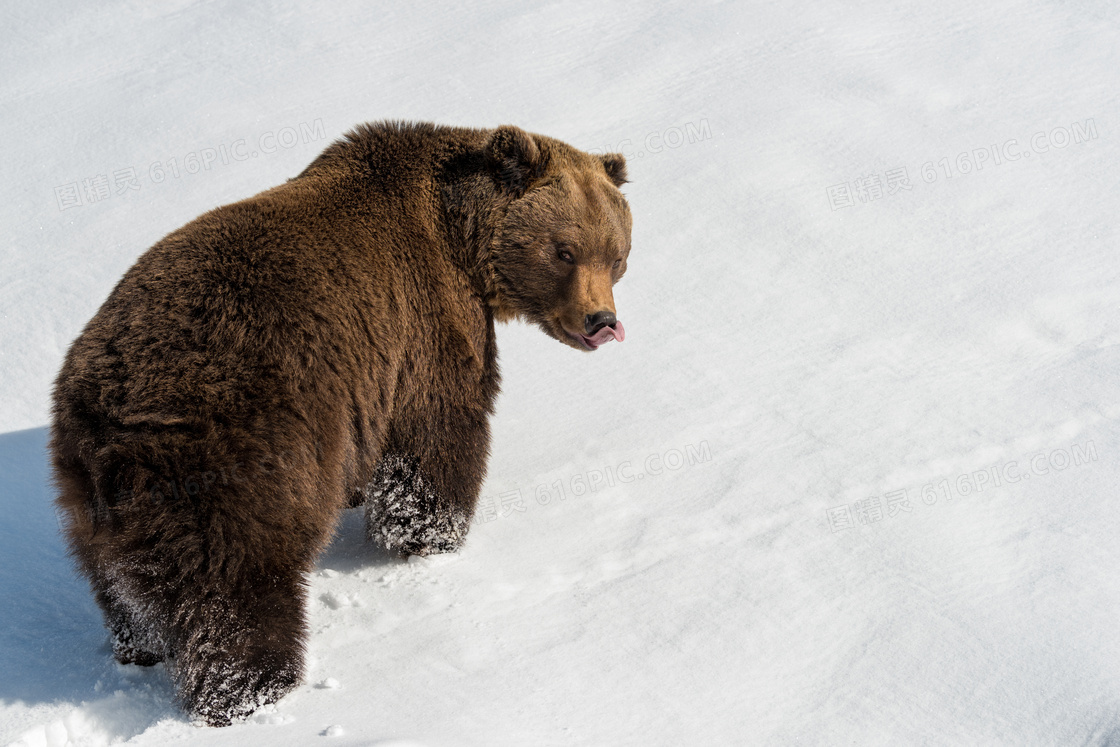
53	643
350	551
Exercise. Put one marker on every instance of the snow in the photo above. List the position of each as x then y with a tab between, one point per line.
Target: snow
795	347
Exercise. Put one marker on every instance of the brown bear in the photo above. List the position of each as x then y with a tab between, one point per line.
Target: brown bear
324	343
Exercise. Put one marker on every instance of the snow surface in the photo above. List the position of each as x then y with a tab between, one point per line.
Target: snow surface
789	354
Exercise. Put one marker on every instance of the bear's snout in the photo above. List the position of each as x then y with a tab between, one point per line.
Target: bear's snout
602	327
592	323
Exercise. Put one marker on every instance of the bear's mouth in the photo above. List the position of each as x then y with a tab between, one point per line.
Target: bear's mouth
604	335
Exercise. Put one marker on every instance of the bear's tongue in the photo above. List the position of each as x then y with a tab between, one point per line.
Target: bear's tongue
606	334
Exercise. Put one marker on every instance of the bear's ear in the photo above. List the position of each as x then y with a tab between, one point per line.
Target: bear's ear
515	157
615	165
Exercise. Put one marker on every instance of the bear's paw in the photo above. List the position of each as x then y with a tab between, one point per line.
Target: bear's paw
406	515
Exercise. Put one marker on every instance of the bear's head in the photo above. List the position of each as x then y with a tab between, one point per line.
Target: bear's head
563	241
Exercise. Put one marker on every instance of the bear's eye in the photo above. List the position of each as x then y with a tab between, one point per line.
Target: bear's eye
565	256
617	263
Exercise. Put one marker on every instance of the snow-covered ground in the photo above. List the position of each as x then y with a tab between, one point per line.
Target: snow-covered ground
850	480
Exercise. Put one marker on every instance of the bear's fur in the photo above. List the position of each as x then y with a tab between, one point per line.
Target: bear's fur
325	343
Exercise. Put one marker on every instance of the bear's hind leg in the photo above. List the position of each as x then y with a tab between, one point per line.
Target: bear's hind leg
134	642
241	648
136	637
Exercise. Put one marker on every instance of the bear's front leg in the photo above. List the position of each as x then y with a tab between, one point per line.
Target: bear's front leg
422	495
406	514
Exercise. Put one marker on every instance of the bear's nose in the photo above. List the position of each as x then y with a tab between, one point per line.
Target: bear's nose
592	323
